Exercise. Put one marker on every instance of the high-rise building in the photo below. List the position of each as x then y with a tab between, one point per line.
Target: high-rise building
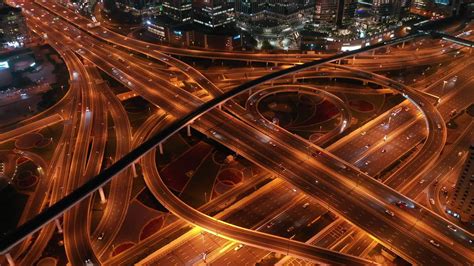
334	12
139	7
128	11
249	7
178	10
387	10
213	13
13	30
286	11
284	7
462	198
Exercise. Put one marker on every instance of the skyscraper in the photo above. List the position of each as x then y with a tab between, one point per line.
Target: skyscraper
213	13
13	30
249	6
389	10
178	10
284	7
334	12
286	11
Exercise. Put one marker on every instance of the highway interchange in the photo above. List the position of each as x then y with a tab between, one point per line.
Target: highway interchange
339	176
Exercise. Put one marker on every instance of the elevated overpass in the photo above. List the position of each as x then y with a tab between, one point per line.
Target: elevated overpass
194	115
453	39
23	231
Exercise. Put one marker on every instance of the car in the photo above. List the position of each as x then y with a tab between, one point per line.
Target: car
390	213
401	204
452	228
305	205
270	224
432	201
383	150
422	181
282	168
453	113
239	246
438	125
367	146
290	229
434	243
101	236
460	153
363	133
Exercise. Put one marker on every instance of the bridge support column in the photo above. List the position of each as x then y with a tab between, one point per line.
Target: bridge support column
160	146
134	170
403	44
275	64
10	260
188	129
103	199
58	225
353	59
365	83
373	52
294	79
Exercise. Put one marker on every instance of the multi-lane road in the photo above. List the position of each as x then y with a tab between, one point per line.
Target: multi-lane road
350	192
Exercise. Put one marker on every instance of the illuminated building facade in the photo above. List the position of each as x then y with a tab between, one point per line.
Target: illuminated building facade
213	13
282	10
334	12
179	11
389	10
13	30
